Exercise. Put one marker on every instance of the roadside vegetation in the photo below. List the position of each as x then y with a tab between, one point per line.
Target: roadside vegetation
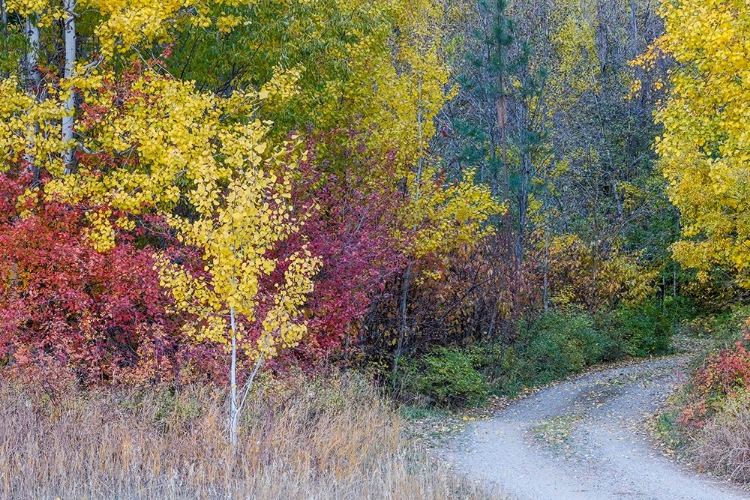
548	348
707	422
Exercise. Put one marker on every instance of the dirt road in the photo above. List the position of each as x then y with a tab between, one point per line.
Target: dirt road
585	439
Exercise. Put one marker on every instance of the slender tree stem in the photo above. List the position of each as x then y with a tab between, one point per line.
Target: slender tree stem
70	62
234	411
407	274
4	18
404	319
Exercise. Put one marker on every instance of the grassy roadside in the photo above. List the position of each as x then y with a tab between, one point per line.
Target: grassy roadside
550	348
333	438
706	424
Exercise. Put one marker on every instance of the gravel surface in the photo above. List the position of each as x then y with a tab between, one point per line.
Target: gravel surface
585	439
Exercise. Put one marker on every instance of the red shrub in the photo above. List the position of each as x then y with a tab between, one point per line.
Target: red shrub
721	375
350	225
101	315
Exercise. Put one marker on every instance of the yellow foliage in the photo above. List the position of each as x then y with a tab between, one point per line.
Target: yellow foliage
127	24
574	40
580	274
410	89
447	217
167	135
235	237
28	128
705	147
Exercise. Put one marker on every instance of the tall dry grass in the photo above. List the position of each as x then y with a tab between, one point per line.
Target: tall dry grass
324	439
723	445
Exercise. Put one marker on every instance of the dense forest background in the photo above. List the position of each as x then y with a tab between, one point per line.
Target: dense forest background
453	171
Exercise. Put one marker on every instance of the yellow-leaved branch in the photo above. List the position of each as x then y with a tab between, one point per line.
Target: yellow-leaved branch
705	147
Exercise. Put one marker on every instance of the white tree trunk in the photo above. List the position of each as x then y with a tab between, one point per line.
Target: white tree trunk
236	403
234	410
34	85
32	57
70	61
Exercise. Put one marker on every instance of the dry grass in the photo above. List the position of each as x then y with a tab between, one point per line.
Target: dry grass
723	446
326	440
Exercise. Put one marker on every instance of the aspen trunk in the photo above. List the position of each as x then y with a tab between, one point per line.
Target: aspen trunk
238	403
70	61
32	57
234	410
34	83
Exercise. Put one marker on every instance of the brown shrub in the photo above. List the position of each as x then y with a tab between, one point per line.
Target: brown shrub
333	438
723	445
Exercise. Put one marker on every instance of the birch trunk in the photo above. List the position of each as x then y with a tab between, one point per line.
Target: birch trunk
68	120
34	83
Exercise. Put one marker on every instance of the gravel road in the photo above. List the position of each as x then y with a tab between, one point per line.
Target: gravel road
585	439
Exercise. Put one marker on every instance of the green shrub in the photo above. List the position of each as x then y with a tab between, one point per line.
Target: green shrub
564	343
642	330
549	348
506	367
729	324
447	377
680	309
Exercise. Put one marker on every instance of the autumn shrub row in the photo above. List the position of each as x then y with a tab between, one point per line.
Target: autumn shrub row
106	316
472	323
710	417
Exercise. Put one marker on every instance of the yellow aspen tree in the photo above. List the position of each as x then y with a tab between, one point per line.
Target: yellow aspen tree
411	89
705	146
215	160
235	237
575	68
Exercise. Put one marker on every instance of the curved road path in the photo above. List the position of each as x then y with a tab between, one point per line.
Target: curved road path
585	439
